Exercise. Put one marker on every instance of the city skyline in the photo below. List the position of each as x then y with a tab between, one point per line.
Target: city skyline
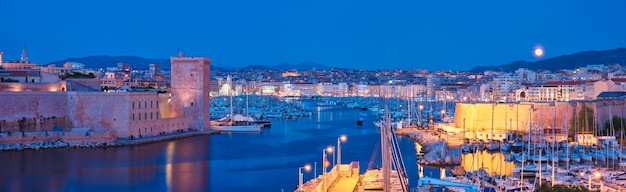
363	34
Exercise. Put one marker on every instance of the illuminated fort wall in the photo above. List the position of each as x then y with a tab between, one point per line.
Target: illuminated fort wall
39	87
96	111
517	116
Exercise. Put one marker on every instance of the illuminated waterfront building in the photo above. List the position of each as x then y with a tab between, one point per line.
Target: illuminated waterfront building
84	113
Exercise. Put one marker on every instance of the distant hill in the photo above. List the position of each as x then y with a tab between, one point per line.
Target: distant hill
286	66
571	61
254	67
112	61
142	63
301	66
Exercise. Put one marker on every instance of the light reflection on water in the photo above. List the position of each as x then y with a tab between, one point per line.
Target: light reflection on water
178	165
266	161
491	162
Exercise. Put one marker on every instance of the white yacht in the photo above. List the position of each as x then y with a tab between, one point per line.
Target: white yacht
237	123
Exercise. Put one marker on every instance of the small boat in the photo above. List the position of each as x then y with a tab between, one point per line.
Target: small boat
509	158
586	157
465	148
575	158
531	170
481	146
265	123
492	145
611	155
238	128
537	158
518	145
598	156
520	157
563	157
506	146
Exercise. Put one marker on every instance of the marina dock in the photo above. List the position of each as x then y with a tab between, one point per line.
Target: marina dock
333	180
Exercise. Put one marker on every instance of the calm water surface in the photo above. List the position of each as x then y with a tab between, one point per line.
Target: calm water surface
266	161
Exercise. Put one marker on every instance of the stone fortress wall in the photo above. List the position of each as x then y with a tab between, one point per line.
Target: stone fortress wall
517	116
96	112
76	110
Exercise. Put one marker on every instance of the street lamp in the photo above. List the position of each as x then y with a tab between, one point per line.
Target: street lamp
597	175
324	164
342	138
331	149
307	168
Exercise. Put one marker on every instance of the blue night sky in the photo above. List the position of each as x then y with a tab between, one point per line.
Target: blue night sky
363	34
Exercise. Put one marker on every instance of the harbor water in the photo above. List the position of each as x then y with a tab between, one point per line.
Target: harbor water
265	161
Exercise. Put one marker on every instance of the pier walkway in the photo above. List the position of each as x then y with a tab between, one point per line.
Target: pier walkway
345	184
346	180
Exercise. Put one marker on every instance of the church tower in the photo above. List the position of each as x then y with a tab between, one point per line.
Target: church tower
190	86
24	56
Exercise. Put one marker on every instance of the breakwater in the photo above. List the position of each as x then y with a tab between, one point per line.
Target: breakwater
435	149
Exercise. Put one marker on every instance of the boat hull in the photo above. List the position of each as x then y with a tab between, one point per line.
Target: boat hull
238	128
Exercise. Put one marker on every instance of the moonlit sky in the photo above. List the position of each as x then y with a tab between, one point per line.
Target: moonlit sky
358	34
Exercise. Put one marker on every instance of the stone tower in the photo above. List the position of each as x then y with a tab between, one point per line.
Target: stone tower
190	87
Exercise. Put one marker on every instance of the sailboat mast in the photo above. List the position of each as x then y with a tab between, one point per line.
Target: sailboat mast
541	128
410	103
553	143
566	144
611	133
493	108
530	122
246	92
230	94
621	122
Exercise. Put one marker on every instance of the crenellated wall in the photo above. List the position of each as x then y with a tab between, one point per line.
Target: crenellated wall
59	86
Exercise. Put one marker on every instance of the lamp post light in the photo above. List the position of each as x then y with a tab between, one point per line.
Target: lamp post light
307	168
331	150
597	175
324	164
342	138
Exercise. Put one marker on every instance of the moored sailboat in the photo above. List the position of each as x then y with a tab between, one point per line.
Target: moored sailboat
235	122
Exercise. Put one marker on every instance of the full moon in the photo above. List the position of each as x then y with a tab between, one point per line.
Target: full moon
538	52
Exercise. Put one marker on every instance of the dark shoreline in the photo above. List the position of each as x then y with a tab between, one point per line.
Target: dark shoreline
116	143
